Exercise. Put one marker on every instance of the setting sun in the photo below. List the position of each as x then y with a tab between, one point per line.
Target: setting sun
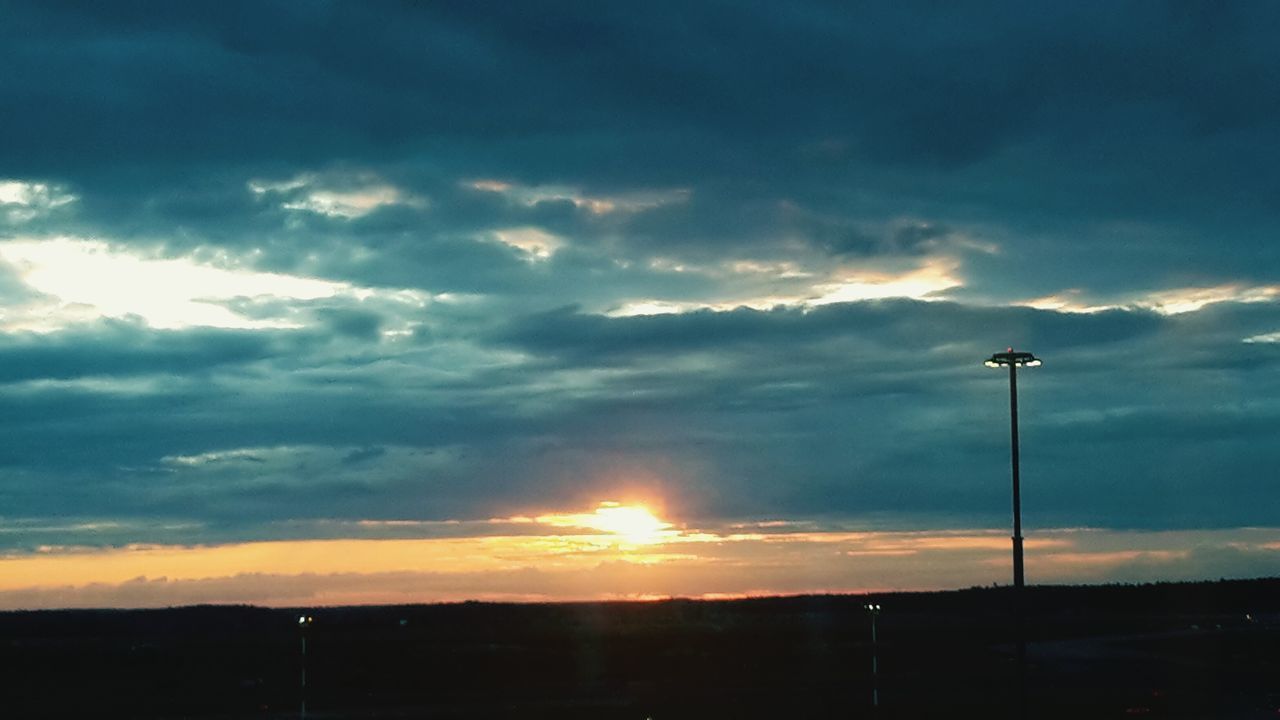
633	523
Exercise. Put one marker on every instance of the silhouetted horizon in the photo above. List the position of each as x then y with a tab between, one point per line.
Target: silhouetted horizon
1207	647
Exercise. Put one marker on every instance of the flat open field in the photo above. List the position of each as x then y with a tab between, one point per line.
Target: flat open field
1209	650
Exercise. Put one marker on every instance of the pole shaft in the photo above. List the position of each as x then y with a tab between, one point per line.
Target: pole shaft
1019	578
302	707
875	665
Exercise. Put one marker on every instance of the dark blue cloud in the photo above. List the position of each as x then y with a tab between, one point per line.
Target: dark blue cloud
122	349
1064	134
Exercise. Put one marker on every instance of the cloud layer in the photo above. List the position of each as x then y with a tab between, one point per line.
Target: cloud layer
269	265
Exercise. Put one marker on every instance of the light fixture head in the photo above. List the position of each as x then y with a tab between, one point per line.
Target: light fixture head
1009	358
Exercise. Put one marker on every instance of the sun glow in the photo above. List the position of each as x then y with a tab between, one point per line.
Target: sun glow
634	524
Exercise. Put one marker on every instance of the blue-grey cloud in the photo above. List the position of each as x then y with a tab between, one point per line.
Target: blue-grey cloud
122	349
498	187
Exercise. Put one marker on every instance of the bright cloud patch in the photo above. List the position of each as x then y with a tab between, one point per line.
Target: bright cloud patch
249	455
654	307
767	285
1184	300
22	201
86	279
1071	301
535	244
1174	301
596	204
924	283
335	197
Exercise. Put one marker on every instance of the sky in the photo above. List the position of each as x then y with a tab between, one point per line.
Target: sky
311	303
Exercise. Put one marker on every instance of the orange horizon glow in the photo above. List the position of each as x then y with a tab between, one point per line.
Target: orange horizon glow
614	551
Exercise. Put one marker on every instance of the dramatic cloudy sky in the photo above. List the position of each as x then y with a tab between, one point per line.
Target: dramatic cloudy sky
319	302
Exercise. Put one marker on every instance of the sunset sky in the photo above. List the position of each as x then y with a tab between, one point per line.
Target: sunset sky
311	303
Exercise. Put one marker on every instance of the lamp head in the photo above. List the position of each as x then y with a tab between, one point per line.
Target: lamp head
1009	358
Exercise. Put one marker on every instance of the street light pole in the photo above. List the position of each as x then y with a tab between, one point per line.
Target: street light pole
304	622
1019	577
1014	360
874	610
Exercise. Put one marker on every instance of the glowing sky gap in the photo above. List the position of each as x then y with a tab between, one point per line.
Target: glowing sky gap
86	279
339	197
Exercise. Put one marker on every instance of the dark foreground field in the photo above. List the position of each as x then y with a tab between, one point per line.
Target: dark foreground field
1208	650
